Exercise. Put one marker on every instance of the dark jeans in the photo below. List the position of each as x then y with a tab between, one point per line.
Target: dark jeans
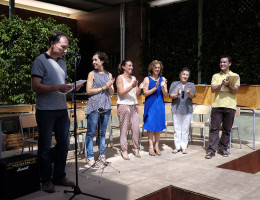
50	121
218	116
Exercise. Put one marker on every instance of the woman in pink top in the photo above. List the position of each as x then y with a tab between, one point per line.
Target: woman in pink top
127	90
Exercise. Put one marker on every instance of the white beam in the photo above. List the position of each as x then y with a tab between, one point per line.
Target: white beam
159	3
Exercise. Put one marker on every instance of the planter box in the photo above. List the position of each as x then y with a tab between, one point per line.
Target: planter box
249	163
175	193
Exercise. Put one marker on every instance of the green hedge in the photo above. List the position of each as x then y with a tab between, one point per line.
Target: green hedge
232	27
21	41
229	27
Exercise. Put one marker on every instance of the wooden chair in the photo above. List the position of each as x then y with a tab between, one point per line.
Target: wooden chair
28	121
112	125
168	112
200	110
141	124
141	113
81	126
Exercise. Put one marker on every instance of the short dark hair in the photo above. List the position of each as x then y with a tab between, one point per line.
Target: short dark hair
55	37
185	69
228	57
120	66
103	57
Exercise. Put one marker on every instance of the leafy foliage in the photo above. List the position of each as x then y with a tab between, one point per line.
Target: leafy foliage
172	39
229	27
21	41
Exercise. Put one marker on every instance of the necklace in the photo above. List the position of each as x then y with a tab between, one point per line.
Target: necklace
155	79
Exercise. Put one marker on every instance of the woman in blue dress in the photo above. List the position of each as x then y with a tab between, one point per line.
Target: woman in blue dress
154	110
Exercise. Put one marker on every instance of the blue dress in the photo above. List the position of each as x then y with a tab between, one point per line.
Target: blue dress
154	110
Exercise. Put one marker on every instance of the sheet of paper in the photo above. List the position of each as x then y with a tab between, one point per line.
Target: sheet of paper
79	82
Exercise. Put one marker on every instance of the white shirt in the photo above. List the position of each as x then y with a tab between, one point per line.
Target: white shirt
130	97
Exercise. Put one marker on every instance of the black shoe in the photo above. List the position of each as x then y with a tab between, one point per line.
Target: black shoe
223	152
48	186
64	182
209	155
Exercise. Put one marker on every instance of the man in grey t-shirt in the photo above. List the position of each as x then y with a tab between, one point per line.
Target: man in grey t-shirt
48	74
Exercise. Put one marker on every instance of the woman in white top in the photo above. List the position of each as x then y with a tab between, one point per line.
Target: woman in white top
127	90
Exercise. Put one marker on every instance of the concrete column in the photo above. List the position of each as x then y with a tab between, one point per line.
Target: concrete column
122	32
200	20
11	8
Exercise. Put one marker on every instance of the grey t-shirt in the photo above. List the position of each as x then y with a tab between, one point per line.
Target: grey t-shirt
52	73
183	104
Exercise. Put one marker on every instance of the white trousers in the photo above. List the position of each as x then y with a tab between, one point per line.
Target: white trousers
181	128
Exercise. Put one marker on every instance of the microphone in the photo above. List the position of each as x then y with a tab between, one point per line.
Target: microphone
72	54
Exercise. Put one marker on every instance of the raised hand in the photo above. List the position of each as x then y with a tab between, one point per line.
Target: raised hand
135	83
110	83
188	90
179	91
157	84
225	82
143	85
163	83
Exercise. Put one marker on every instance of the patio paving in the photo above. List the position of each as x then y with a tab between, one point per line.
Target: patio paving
128	180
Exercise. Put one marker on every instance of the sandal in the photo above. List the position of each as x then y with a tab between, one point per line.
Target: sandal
136	153
91	163
124	157
158	152
151	152
103	161
176	151
184	151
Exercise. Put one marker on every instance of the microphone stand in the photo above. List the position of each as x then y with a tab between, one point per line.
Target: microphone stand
76	188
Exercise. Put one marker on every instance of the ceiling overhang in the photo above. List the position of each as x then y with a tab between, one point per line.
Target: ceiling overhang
159	3
65	8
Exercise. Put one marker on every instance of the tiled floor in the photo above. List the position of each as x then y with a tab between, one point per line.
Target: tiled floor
128	180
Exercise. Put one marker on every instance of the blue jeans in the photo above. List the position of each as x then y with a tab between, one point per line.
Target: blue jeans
93	121
50	121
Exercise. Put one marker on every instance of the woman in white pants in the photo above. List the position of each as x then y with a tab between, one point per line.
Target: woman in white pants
182	92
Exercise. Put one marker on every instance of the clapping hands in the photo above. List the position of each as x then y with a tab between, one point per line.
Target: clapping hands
143	85
188	90
163	83
225	82
135	83
179	91
110	83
